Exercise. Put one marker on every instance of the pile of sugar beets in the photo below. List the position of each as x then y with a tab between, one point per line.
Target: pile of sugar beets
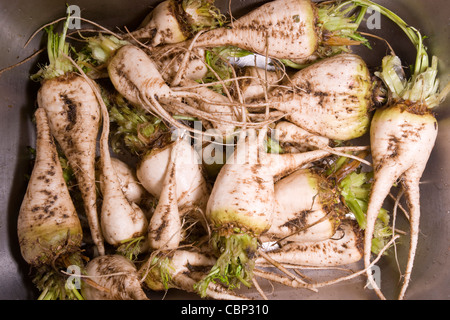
203	152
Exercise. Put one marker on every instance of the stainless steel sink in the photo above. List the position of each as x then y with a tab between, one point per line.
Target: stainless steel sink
19	19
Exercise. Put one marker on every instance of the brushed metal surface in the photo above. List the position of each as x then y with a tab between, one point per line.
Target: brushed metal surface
19	19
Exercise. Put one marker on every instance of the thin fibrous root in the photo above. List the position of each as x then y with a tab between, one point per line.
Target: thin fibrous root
258	288
23	61
347	155
212	117
177	79
293	277
143	45
313	286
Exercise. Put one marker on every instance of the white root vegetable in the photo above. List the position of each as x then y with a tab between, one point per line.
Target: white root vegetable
345	247
159	272
331	98
283	164
173	21
136	77
402	136
181	269
293	30
241	205
74	118
164	229
306	209
283	29
191	187
129	183
48	227
402	142
242	179
112	277
47	217
121	220
239	210
295	283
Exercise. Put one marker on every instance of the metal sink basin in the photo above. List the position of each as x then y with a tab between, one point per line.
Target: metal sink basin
19	19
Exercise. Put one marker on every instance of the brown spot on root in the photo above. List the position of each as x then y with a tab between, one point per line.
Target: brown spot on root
229	228
196	269
306	87
68	77
321	96
359	235
393	146
121	73
166	34
71	112
159	231
298	222
419	108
